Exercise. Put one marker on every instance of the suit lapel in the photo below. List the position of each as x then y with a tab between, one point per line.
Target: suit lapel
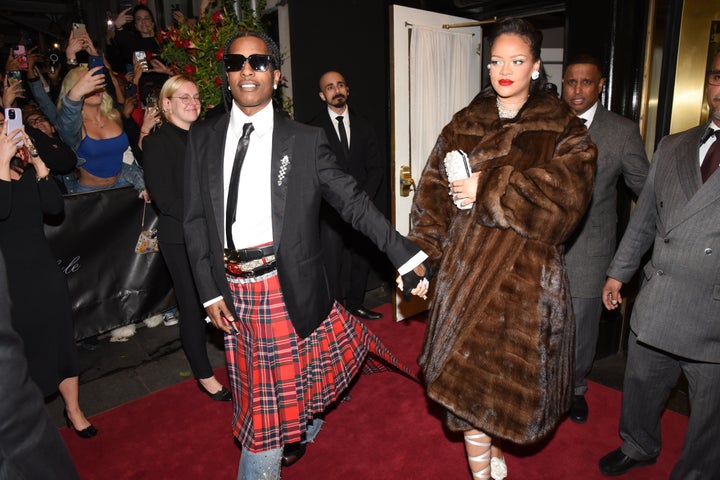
215	160
282	161
697	194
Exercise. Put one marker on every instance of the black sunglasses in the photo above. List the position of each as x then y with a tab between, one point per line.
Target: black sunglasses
234	62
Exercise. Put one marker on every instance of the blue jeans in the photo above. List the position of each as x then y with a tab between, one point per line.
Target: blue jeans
130	175
266	465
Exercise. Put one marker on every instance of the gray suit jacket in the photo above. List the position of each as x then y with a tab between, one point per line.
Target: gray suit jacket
304	171
678	307
590	249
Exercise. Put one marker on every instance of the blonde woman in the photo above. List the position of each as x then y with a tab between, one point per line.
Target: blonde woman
92	127
164	152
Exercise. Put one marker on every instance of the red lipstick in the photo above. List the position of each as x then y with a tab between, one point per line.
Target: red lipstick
505	82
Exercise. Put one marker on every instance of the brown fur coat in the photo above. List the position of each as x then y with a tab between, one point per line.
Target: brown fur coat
499	347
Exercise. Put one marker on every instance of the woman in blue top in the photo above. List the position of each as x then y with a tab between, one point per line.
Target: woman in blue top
88	123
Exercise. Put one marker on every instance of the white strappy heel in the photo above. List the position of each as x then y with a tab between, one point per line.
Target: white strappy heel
483	474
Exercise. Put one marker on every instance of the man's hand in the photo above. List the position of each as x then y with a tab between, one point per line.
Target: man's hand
221	317
611	294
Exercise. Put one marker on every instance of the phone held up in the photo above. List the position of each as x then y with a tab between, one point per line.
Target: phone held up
96	61
141	58
78	29
13	77
13	121
20	55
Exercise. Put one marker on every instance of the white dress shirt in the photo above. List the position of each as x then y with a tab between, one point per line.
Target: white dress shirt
346	122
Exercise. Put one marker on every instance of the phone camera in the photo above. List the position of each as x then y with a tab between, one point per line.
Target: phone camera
11	114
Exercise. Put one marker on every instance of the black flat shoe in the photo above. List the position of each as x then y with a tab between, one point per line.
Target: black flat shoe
617	463
88	432
222	395
292	452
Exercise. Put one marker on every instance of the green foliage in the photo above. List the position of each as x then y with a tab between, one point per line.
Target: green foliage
197	50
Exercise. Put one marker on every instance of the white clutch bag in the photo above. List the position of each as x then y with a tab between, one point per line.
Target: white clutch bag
457	167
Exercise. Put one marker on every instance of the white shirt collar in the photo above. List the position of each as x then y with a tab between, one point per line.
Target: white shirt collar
262	121
334	115
589	114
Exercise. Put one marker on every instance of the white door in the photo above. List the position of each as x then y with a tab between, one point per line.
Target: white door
435	72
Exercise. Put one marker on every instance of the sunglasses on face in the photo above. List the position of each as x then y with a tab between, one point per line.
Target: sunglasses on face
235	62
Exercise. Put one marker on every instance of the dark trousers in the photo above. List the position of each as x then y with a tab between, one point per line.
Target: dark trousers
193	329
650	375
587	313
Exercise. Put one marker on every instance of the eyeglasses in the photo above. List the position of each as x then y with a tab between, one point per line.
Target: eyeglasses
235	62
32	121
713	77
188	100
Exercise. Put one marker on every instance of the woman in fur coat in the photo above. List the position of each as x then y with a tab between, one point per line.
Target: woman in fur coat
498	352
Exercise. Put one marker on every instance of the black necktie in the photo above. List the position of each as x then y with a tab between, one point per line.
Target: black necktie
343	134
712	159
231	207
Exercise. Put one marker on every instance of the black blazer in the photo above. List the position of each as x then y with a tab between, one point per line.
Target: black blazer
365	162
311	174
164	170
30	445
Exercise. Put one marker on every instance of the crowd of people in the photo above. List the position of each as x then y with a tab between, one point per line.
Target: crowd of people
518	251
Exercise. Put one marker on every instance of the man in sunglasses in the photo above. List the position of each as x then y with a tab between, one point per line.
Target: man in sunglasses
675	323
254	183
352	140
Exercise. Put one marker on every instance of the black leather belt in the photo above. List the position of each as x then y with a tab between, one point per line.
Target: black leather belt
234	270
247	254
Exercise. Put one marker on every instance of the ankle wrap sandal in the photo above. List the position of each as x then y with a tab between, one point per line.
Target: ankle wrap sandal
483	474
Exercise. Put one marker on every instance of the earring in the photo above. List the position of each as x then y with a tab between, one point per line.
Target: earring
535	75
488	66
275	86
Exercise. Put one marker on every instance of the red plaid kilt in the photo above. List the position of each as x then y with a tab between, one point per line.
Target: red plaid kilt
279	380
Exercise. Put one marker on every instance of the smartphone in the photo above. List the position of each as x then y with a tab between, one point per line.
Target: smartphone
175	7
151	101
78	29
13	120
14	76
141	57
124	5
20	55
130	90
96	61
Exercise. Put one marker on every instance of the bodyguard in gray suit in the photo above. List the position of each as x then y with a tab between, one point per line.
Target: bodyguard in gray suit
676	319
590	249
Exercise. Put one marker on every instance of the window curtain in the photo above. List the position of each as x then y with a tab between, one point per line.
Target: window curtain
441	73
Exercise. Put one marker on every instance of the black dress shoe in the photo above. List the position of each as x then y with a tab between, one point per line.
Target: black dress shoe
88	432
366	314
616	463
292	452
222	395
578	412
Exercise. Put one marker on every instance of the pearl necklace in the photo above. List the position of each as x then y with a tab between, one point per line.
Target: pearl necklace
508	109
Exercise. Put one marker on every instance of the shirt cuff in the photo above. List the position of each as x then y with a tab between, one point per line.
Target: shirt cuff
412	263
210	302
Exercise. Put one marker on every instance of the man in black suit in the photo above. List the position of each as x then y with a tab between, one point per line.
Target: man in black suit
290	348
30	445
352	140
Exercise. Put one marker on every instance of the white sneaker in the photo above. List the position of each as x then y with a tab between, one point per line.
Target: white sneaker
498	468
170	319
122	334
154	321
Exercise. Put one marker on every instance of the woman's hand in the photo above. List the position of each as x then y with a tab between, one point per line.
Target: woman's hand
145	195
158	67
465	189
179	17
12	92
8	149
151	118
40	168
74	45
123	18
87	83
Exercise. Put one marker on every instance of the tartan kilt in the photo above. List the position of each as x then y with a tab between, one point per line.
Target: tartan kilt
279	380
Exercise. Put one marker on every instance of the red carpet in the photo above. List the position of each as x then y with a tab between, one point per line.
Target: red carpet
386	431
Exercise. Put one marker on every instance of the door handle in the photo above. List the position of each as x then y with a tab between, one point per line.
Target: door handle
406	181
